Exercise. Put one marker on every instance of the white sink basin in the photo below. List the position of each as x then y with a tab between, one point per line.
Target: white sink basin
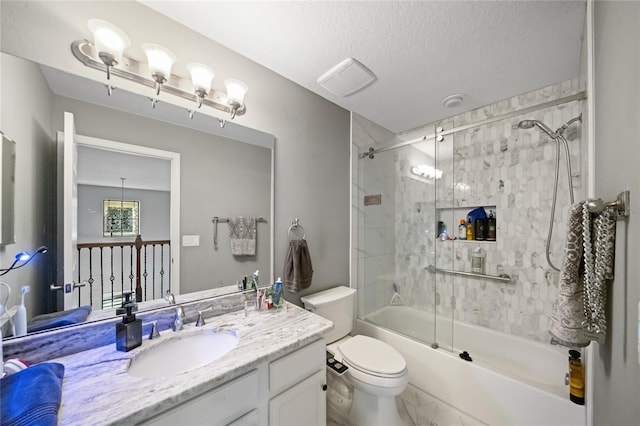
182	354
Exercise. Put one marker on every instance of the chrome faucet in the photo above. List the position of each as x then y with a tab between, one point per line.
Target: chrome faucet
178	319
169	297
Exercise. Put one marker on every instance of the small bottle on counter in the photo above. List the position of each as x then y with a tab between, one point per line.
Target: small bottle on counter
491	227
576	378
129	331
277	294
462	230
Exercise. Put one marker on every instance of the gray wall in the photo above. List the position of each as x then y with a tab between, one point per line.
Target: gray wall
312	134
617	135
154	212
219	177
25	117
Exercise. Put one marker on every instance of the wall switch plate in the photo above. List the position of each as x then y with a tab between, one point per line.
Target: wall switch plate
190	240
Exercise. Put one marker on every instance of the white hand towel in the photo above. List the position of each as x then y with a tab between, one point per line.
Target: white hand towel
242	235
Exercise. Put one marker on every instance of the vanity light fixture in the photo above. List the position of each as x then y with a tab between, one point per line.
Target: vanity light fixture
426	171
160	61
235	94
201	77
107	53
109	41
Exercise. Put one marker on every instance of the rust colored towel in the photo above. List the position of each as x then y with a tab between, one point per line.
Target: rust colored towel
297	266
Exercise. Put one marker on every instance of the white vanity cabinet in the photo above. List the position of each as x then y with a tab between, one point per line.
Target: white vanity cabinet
234	403
288	391
297	387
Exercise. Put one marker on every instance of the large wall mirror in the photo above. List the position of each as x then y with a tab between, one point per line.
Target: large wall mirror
224	172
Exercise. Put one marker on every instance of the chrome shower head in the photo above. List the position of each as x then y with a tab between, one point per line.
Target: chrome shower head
529	124
525	124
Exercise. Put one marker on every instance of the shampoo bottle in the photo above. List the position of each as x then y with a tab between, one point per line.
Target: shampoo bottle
129	331
469	230
462	230
479	229
491	226
576	378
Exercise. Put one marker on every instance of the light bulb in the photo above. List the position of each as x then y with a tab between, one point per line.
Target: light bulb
160	60
236	90
109	41
201	77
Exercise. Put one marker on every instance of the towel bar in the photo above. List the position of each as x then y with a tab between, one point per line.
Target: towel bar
226	219
621	204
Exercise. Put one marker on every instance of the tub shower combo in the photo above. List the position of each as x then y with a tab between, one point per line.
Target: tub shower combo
419	288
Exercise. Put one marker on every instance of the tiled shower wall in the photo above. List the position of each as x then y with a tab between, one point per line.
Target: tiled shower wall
492	165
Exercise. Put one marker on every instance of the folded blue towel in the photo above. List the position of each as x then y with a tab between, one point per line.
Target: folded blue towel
59	319
32	396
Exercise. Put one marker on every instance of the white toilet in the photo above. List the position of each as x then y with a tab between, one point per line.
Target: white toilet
377	371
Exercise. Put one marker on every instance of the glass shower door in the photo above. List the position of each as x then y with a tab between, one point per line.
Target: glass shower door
397	233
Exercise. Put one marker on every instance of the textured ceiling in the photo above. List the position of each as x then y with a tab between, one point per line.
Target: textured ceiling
420	51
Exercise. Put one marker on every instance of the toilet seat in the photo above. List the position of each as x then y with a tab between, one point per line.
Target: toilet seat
373	357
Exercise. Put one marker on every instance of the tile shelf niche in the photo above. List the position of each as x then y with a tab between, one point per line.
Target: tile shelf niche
451	216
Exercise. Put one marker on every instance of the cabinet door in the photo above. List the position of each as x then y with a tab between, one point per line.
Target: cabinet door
301	405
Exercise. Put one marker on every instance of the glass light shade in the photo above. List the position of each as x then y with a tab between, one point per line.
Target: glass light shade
159	59
201	76
235	91
108	38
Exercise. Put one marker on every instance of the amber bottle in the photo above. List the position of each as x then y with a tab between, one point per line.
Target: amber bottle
576	378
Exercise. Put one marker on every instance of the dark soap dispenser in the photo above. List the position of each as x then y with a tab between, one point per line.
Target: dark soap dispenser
129	331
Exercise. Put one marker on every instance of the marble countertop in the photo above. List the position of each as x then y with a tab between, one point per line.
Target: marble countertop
97	389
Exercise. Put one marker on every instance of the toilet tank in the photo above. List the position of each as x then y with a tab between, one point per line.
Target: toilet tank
335	304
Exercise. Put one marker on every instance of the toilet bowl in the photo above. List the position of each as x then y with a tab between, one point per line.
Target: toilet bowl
376	371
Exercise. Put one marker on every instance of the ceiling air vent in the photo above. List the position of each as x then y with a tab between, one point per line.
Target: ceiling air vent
347	78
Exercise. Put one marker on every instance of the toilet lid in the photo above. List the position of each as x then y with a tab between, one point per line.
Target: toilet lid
373	356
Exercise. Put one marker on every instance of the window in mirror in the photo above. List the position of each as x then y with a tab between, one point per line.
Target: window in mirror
121	218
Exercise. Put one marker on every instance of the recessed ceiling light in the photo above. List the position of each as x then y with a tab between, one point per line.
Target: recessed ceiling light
452	101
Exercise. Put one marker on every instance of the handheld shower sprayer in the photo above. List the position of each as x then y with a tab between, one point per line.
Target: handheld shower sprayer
529	124
558	137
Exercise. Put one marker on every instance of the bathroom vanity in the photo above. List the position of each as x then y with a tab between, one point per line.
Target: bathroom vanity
275	374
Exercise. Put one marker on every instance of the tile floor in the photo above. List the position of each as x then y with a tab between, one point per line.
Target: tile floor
417	408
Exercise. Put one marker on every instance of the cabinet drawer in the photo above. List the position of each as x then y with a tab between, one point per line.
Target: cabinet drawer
218	406
296	366
249	419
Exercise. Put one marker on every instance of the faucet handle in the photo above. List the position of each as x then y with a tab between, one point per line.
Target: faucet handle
154	333
200	322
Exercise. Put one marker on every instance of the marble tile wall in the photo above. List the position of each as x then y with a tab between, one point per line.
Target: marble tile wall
497	165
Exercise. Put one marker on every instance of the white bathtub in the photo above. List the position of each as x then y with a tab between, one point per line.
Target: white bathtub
511	381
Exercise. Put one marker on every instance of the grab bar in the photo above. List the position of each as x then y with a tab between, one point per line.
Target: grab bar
502	278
